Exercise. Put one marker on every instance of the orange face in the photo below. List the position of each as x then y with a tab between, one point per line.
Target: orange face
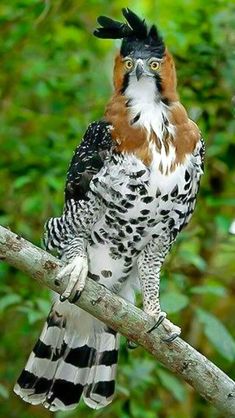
129	138
163	70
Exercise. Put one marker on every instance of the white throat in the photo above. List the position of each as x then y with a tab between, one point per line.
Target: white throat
149	112
146	103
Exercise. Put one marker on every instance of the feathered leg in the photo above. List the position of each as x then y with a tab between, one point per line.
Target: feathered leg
149	265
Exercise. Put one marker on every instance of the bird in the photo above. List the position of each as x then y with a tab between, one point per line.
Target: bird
130	189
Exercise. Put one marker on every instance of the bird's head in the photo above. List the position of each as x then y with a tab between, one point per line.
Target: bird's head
143	55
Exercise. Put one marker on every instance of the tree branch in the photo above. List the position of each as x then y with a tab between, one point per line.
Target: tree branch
179	357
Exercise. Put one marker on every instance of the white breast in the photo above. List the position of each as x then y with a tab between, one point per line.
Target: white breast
153	114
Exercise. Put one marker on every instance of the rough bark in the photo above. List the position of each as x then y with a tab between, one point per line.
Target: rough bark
179	357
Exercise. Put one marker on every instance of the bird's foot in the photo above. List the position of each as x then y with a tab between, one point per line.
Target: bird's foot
173	330
76	271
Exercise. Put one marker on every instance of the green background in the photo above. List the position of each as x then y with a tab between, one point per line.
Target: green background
55	78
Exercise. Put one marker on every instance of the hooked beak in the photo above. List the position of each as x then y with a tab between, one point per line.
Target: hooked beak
139	71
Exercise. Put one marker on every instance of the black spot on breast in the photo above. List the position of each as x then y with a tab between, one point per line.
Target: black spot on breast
134	221
114	253
155	235
165	197
106	273
142	218
164	212
135	119
147	199
175	191
144	211
128	205
121	248
129	229
186	175
158	193
187	186
115	240
121	234
130	197
171	223
179	213
134	251
122	279
98	238
120	209
140	229
181	196
132	187
121	221
127	269
138	174
142	190
152	221
174	232
108	218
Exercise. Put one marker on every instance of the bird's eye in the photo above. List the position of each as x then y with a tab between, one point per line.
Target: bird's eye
128	64
154	65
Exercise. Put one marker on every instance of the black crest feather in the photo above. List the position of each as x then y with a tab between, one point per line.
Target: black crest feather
115	30
135	33
138	26
111	29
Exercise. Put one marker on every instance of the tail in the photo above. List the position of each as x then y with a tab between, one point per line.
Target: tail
75	356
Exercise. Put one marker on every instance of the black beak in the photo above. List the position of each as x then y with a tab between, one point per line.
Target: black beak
139	71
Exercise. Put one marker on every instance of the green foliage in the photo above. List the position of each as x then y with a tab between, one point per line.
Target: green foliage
55	78
217	334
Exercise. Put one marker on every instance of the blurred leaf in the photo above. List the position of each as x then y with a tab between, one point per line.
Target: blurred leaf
123	390
172	384
44	305
139	373
21	181
209	289
172	302
220	201
4	392
217	334
9	300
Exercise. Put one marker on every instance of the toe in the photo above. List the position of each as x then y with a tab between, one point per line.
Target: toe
77	273
172	337
158	320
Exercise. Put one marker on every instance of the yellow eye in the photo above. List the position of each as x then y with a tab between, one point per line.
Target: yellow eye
154	65
128	64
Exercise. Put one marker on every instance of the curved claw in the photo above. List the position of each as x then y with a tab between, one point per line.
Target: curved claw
159	320
170	328
171	337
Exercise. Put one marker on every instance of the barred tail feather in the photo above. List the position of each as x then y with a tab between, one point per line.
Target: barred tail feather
35	380
99	390
75	356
